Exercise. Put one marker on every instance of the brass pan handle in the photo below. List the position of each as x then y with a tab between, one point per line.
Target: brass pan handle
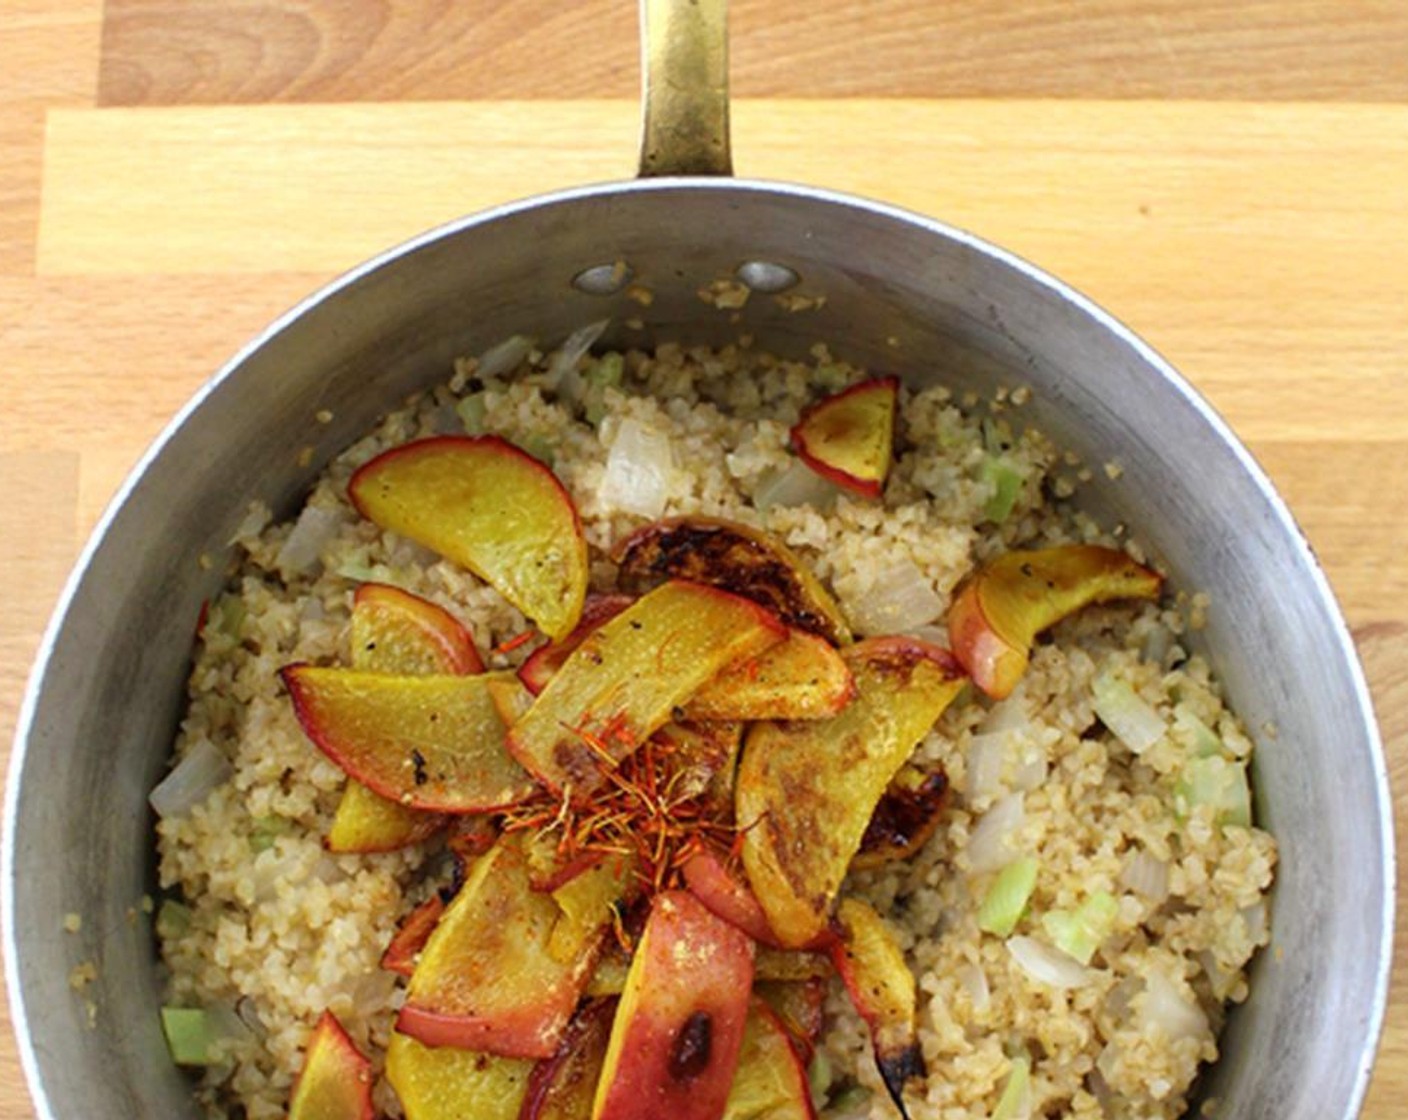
684	75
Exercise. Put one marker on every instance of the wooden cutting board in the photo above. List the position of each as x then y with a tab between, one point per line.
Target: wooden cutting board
1229	179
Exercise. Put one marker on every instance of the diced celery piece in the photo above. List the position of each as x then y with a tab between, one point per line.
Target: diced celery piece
173	919
1013	1101
819	1075
1006	898
540	447
1006	481
1078	933
850	1100
1217	782
471	412
1132	720
228	615
265	831
191	1035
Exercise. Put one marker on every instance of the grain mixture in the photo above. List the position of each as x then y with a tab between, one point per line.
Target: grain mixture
264	929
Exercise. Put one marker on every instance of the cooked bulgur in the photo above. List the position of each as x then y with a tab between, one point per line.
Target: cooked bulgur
266	930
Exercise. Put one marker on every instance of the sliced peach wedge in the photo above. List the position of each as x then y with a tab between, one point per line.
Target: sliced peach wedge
488	978
771	1080
1005	604
563	1086
445	1083
882	988
723	892
736	558
848	438
628	676
491	508
678	1028
428	742
336	1080
806	791
394	631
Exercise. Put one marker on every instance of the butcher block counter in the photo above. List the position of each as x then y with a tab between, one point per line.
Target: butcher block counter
1228	178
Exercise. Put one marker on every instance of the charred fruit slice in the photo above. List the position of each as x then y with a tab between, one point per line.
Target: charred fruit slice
628	676
427	742
1005	604
394	631
451	1084
906	817
849	437
873	969
487	980
679	1025
736	558
562	1087
771	1082
806	791
491	508
336	1081
801	678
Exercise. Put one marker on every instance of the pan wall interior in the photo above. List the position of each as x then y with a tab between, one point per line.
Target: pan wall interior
901	296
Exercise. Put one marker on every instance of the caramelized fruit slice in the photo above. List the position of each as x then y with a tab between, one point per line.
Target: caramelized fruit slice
788	966
771	1082
1009	601
491	508
849	437
873	969
451	1084
394	631
801	678
628	676
723	891
907	816
546	660
736	558
679	1025
427	742
411	935
806	791
487	980
336	1081
799	1006
562	1087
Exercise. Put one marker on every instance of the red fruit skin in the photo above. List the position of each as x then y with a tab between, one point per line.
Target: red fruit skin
543	662
411	936
725	894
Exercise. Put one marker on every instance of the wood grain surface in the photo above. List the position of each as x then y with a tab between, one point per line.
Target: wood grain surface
1229	178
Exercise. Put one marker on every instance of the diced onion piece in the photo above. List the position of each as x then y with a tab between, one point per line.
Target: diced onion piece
256	518
1254	918
1007	715
1200	740
191	781
974	981
573	349
1163	1009
797	485
902	596
990	845
640	470
1006	899
1218	783
1046	965
503	357
986	754
1016	1100
312	531
1078	933
1146	875
471	411
1134	722
173	920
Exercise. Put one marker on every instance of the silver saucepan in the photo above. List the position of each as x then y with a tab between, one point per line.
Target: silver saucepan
904	294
